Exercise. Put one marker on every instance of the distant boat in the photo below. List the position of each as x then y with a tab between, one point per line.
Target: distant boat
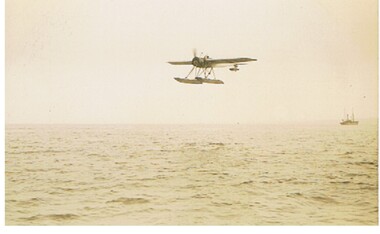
349	121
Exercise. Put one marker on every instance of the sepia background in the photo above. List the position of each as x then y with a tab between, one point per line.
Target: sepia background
105	61
97	131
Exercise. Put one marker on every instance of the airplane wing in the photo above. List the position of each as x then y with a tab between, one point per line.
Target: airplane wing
227	64
181	63
216	62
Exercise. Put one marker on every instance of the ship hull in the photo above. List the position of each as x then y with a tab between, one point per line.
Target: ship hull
350	123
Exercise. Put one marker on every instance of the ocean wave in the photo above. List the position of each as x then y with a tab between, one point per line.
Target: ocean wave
27	202
62	216
216	143
36	152
363	163
42	170
201	196
246	182
55	217
297	194
129	201
340	182
220	204
374	188
324	199
66	189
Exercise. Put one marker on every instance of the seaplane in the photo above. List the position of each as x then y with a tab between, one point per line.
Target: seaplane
204	66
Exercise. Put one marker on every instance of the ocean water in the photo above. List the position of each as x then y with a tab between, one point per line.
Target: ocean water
305	174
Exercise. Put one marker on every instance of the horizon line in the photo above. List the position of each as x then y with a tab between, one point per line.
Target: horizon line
236	123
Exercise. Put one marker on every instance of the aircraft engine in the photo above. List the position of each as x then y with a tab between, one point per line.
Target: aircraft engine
198	62
195	61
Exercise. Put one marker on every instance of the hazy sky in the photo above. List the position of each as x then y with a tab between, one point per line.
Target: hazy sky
88	61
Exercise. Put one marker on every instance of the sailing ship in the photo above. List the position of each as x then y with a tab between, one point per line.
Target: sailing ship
349	121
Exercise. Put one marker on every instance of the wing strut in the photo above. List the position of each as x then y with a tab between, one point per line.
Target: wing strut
192	69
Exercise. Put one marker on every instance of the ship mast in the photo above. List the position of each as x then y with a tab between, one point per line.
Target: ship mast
344	113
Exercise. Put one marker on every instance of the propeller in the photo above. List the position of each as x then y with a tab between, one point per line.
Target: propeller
195	52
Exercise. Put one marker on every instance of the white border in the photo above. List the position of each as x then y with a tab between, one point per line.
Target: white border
148	229
2	100
194	229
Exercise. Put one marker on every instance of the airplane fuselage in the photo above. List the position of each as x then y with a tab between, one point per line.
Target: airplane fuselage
201	62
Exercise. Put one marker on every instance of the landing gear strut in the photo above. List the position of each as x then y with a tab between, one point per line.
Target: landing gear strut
198	71
206	72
